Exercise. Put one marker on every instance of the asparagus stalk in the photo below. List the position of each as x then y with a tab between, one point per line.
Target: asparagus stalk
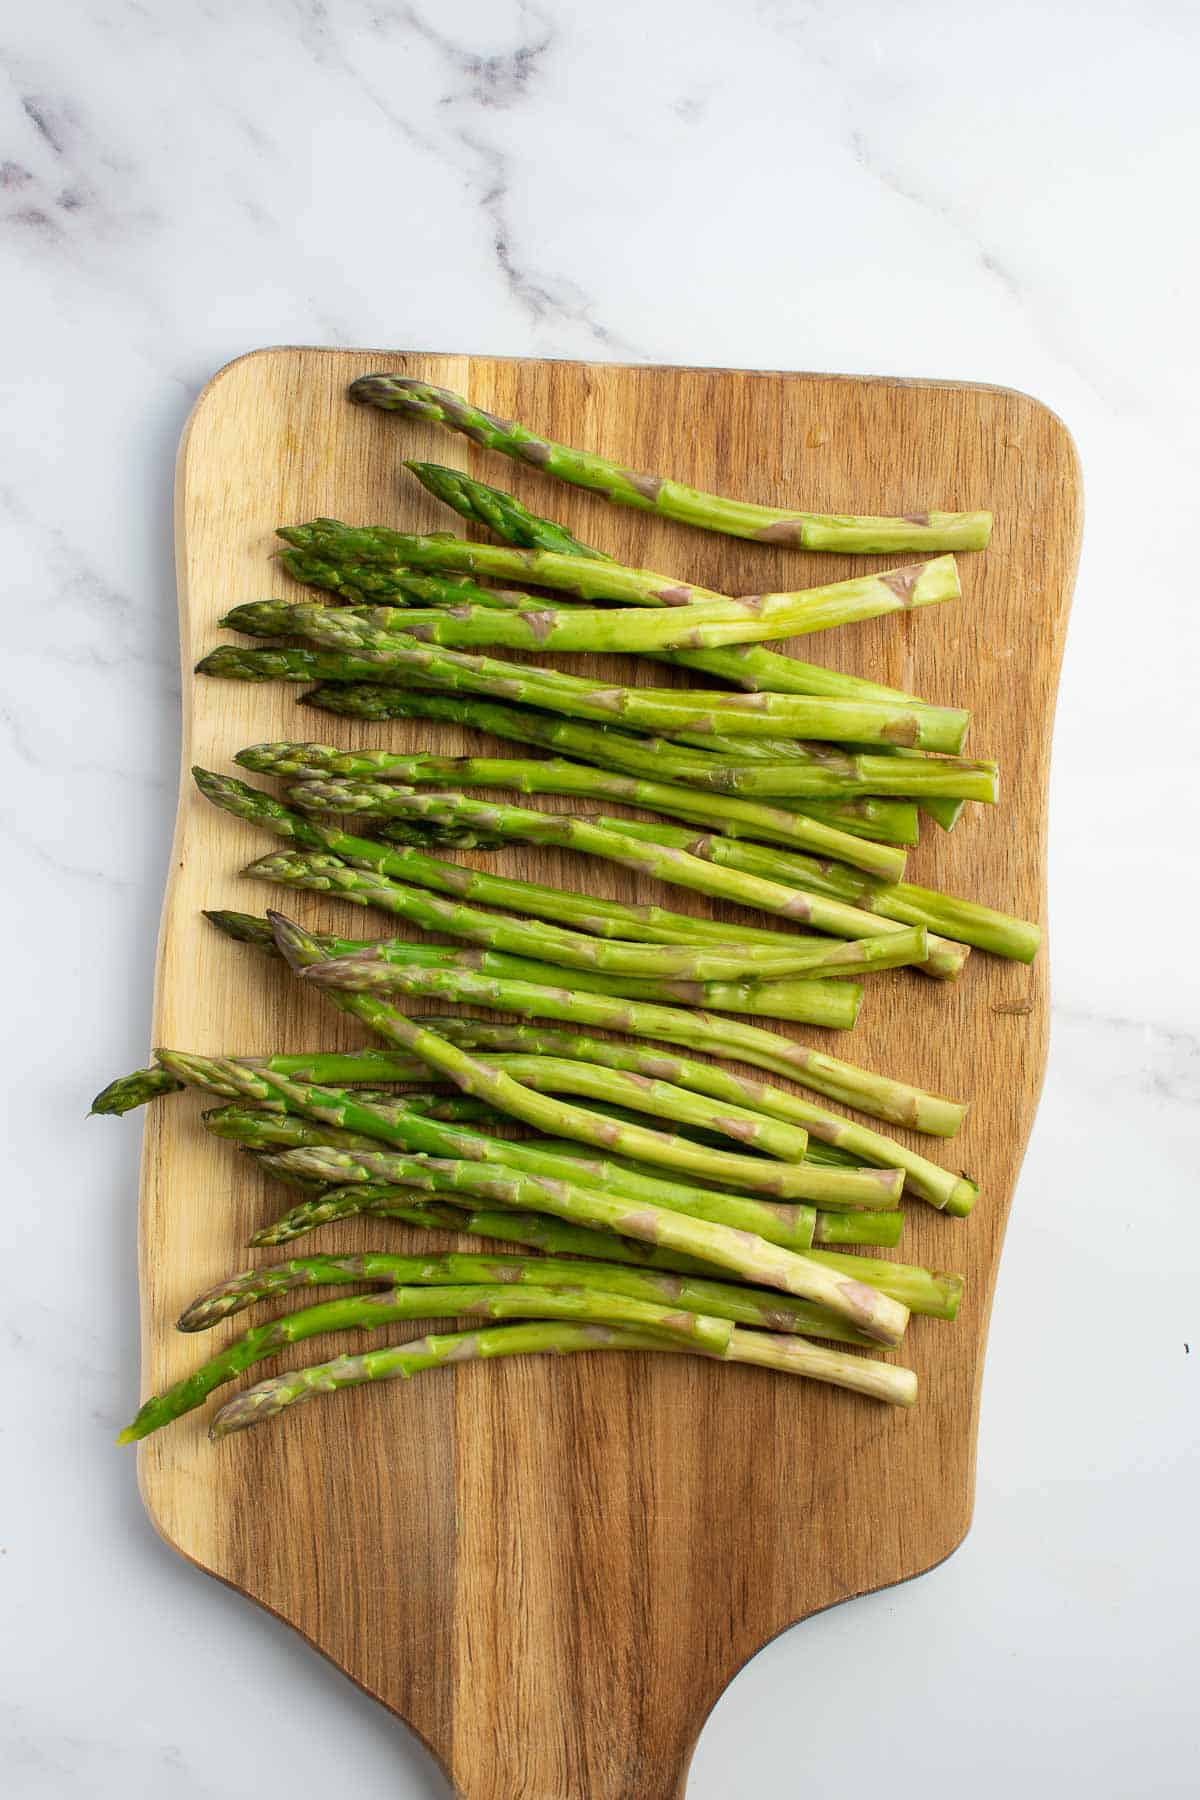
655	858
894	822
833	775
370	974
878	1095
805	999
337	1109
710	1299
918	530
500	512
395	652
881	1096
700	624
640	1093
376	584
535	1229
476	1077
843	1081
268	1398
810	999
358	651
603	918
718	1036
576	950
746	666
261	1128
942	1188
964	920
130	1091
886	820
368	1312
791	1227
877	1315
586	578
874	1228
735	816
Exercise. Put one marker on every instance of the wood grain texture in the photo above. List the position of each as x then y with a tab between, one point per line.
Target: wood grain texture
551	1569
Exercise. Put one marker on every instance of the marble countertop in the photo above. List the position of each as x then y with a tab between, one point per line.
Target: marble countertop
988	193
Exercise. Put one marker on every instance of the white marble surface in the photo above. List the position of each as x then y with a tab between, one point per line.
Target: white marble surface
997	192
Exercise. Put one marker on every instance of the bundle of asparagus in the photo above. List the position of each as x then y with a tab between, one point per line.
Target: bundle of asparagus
794	793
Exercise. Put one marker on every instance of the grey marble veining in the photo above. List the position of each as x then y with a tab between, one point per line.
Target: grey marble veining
1004	194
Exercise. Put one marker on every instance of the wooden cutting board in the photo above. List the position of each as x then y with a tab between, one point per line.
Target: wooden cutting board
552	1568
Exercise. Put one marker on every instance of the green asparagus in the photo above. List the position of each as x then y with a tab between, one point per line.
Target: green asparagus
920	529
727	1037
882	1381
391	653
368	1312
964	920
804	999
748	666
877	1229
711	1299
833	775
877	1315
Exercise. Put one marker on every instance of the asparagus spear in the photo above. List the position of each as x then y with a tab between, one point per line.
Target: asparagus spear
671	499
883	819
804	999
337	1109
500	512
711	1299
268	1398
367	973
852	1086
877	1315
965	920
576	950
878	1095
878	1230
130	1091
261	1128
886	820
791	1227
552	1235
585	578
807	999
746	666
736	817
764	991
357	582
603	918
377	584
881	1096
932	1293
701	624
955	1194
654	709
680	869
477	1077
393	653
643	1093
368	1312
796	1227
834	775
